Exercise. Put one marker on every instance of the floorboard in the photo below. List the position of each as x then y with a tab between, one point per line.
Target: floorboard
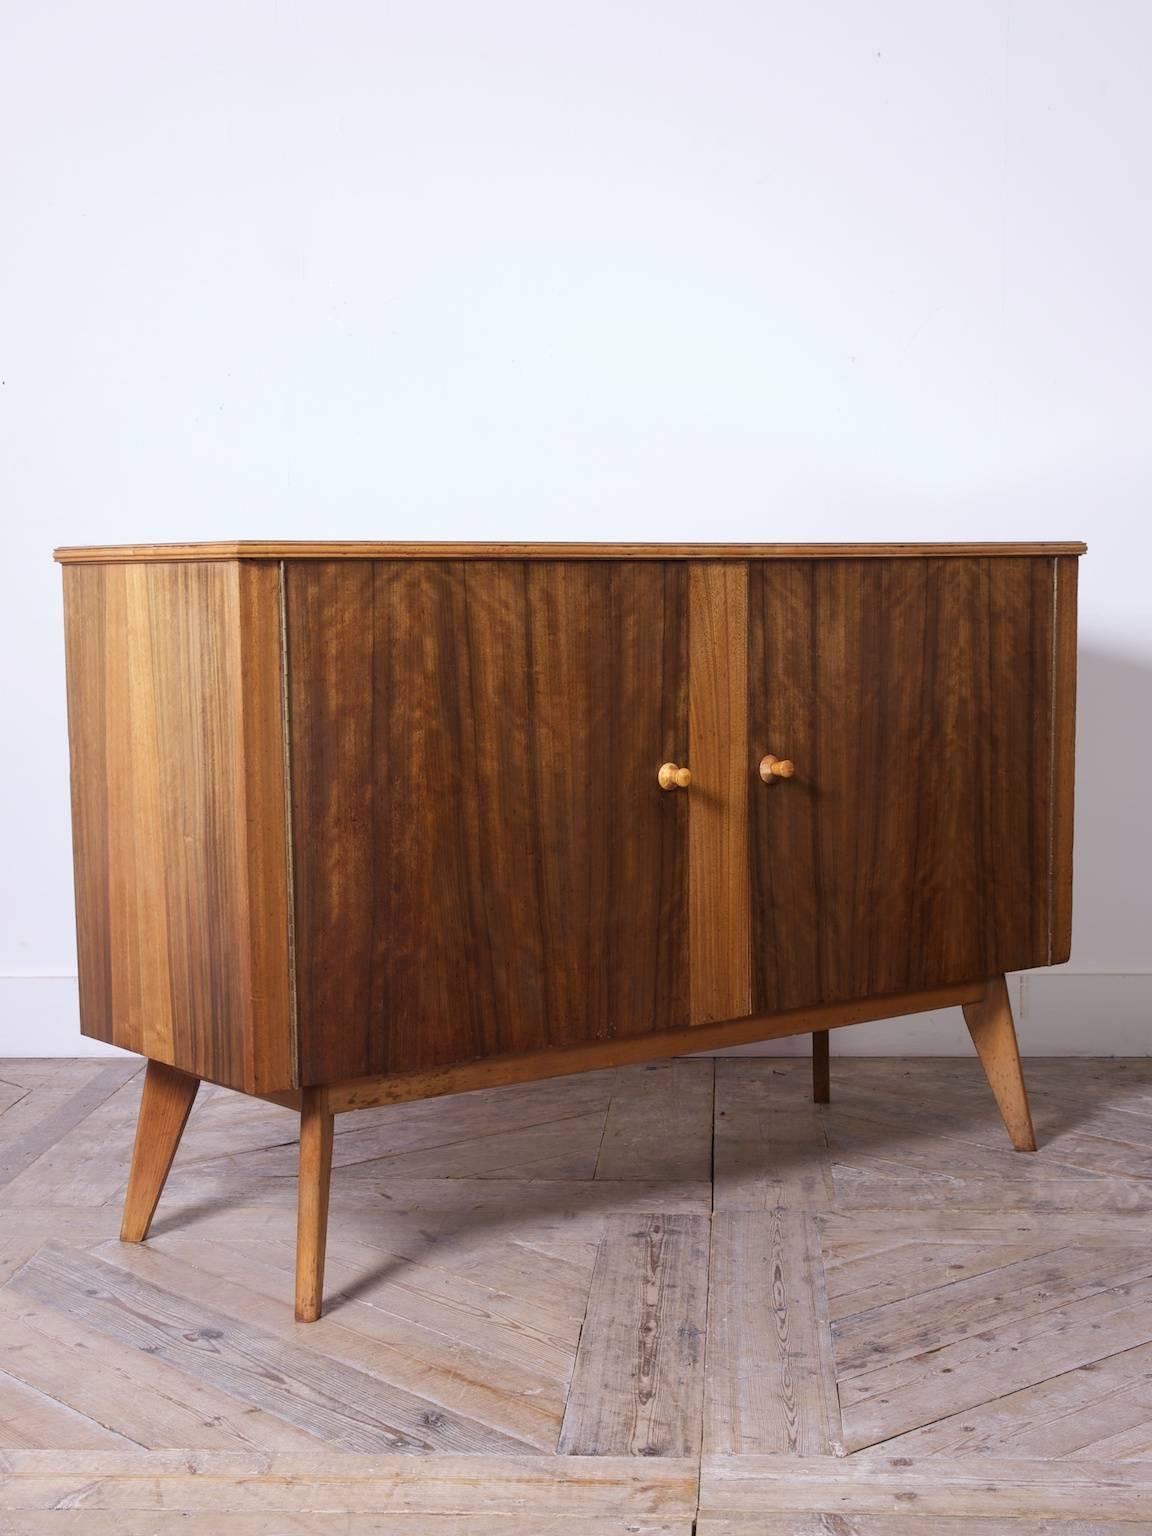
607	1305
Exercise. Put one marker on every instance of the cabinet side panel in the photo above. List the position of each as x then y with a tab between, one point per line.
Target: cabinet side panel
1014	759
86	647
1066	574
178	809
912	847
484	860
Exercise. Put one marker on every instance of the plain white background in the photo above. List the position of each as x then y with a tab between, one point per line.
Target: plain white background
764	271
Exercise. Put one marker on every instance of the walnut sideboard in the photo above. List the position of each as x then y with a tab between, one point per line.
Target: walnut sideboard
359	823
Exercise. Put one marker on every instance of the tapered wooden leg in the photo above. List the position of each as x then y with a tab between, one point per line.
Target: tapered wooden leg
821	1068
312	1211
994	1036
164	1109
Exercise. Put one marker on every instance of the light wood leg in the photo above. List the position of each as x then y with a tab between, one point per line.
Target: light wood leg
164	1109
312	1217
994	1036
821	1068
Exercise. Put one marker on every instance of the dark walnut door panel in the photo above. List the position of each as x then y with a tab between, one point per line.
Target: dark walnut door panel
484	861
925	837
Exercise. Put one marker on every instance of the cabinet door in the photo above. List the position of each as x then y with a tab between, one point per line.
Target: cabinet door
925	837
484	861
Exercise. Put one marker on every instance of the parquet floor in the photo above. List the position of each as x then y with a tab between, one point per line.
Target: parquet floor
642	1302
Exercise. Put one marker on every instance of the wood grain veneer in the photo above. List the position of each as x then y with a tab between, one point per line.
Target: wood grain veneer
485	862
336	549
719	914
917	700
177	740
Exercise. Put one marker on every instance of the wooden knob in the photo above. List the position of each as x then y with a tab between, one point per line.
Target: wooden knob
671	777
773	768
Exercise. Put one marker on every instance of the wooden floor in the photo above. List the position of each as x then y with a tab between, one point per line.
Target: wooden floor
649	1301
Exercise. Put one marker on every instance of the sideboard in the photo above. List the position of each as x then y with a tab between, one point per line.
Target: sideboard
360	823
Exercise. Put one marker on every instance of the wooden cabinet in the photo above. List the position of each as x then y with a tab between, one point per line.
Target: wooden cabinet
358	823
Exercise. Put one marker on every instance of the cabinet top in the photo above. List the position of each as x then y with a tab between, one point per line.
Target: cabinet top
336	549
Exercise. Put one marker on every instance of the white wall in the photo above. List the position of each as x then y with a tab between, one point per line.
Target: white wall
635	269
